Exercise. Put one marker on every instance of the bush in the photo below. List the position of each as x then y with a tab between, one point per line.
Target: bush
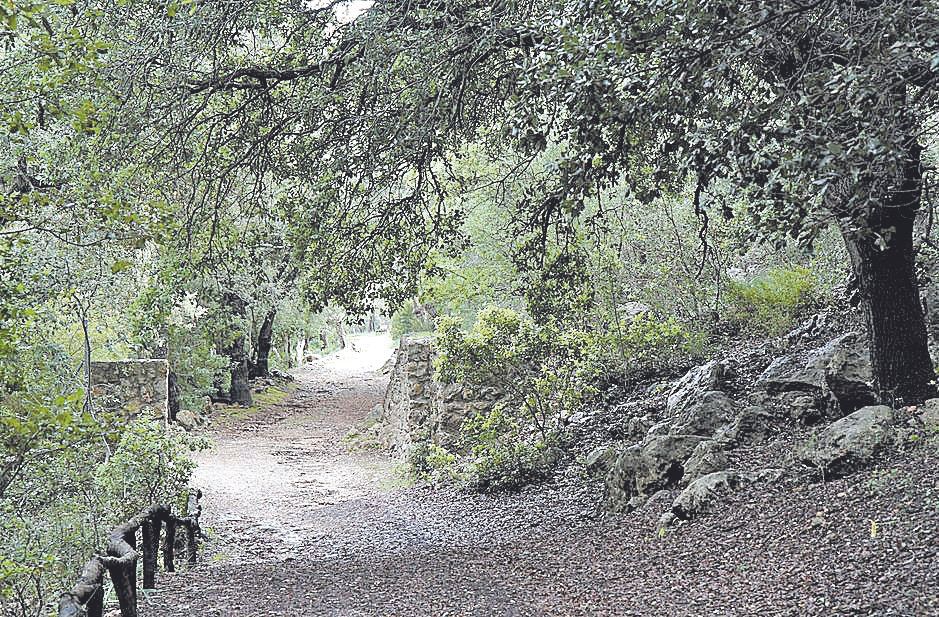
771	302
548	373
501	457
405	321
57	510
151	465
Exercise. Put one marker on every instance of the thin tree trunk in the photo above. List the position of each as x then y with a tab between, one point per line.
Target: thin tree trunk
260	366
301	350
884	266
173	395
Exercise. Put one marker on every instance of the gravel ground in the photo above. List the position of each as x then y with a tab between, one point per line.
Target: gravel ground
301	526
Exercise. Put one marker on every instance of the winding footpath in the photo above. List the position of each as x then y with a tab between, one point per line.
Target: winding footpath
300	524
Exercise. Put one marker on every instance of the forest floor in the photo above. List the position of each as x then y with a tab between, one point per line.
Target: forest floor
300	523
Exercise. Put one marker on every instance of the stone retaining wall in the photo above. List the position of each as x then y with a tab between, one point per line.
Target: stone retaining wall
417	407
134	388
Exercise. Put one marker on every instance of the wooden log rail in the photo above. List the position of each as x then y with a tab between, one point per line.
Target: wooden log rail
86	599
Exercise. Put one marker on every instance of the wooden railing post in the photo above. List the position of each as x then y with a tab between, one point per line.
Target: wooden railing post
169	544
191	542
193	531
122	565
86	599
151	547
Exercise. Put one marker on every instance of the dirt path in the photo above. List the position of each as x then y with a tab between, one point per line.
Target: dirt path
302	526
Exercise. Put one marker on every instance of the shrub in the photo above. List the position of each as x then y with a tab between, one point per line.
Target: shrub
151	464
770	303
56	511
405	321
548	372
500	456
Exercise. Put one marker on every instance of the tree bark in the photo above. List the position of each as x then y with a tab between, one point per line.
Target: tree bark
301	350
884	266
260	365
173	395
239	391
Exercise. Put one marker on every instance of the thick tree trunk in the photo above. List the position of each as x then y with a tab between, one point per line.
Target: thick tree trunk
884	266
260	366
239	390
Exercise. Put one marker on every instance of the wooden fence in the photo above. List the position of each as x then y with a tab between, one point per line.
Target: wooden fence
86	599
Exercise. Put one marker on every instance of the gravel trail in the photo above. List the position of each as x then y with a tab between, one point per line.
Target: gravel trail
302	526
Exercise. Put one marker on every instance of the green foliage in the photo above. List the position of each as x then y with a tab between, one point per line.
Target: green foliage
501	457
406	321
771	302
69	493
548	372
151	465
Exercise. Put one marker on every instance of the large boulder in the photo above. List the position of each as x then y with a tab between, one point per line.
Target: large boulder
600	460
752	425
703	494
848	374
694	383
791	374
187	419
839	371
929	415
707	457
852	441
699	496
643	469
704	416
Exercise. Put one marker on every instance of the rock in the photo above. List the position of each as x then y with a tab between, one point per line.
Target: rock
705	415
851	441
790	373
848	375
707	490
802	407
706	458
929	415
187	419
374	415
659	428
666	520
642	469
840	370
600	460
631	310
697	381
753	425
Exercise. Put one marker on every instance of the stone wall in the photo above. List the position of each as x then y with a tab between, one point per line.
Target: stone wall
134	388
417	407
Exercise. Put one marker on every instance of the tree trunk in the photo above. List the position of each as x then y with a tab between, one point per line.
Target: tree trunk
260	366
884	266
301	350
239	391
173	392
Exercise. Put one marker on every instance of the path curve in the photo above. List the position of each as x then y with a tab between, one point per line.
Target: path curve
300	525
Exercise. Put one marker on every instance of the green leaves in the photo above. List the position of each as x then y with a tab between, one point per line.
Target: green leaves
120	265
